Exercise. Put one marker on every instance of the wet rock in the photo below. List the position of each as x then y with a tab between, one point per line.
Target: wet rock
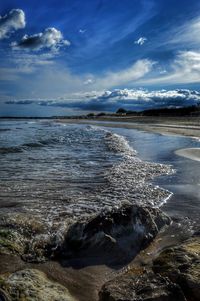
22	235
175	276
122	232
32	285
181	265
24	224
3	296
10	242
141	285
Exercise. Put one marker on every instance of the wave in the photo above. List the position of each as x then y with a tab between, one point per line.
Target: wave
29	145
129	178
119	144
12	149
5	130
19	149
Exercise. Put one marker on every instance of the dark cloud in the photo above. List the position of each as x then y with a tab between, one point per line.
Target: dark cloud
19	102
128	99
50	38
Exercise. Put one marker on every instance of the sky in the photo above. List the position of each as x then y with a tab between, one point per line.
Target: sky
73	57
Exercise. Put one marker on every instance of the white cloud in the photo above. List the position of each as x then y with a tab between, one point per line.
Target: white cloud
11	22
52	80
144	99
187	33
82	31
50	38
89	81
137	71
149	96
141	41
184	69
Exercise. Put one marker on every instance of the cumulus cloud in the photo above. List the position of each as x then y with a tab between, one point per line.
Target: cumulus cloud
143	99
129	99
50	38
11	22
141	41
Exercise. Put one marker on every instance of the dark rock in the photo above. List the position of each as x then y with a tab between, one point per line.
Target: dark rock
122	232
141	285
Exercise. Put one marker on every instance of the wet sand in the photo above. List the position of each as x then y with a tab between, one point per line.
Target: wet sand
190	153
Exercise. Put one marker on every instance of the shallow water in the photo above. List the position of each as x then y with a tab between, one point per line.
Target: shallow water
184	183
54	168
48	169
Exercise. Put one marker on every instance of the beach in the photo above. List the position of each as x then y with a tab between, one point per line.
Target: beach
89	202
185	126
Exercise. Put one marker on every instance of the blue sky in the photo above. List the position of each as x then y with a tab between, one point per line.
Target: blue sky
65	57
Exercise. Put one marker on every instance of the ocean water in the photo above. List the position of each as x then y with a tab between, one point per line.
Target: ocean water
59	173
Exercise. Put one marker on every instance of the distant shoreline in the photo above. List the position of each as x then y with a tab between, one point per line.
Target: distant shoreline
181	126
166	126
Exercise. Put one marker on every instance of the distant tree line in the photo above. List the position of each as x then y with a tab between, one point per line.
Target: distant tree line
184	111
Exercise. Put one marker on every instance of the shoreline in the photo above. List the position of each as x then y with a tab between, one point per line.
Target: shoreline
186	130
166	126
72	274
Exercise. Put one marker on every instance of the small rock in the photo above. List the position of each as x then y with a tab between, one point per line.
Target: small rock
143	286
33	285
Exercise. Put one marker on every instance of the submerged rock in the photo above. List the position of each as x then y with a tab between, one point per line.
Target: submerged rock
121	232
24	236
182	265
32	285
141	285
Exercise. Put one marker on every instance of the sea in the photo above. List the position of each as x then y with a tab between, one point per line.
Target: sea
59	173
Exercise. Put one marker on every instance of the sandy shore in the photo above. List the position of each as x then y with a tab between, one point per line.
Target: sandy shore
166	126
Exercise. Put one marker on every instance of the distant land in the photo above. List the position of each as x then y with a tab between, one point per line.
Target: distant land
190	111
